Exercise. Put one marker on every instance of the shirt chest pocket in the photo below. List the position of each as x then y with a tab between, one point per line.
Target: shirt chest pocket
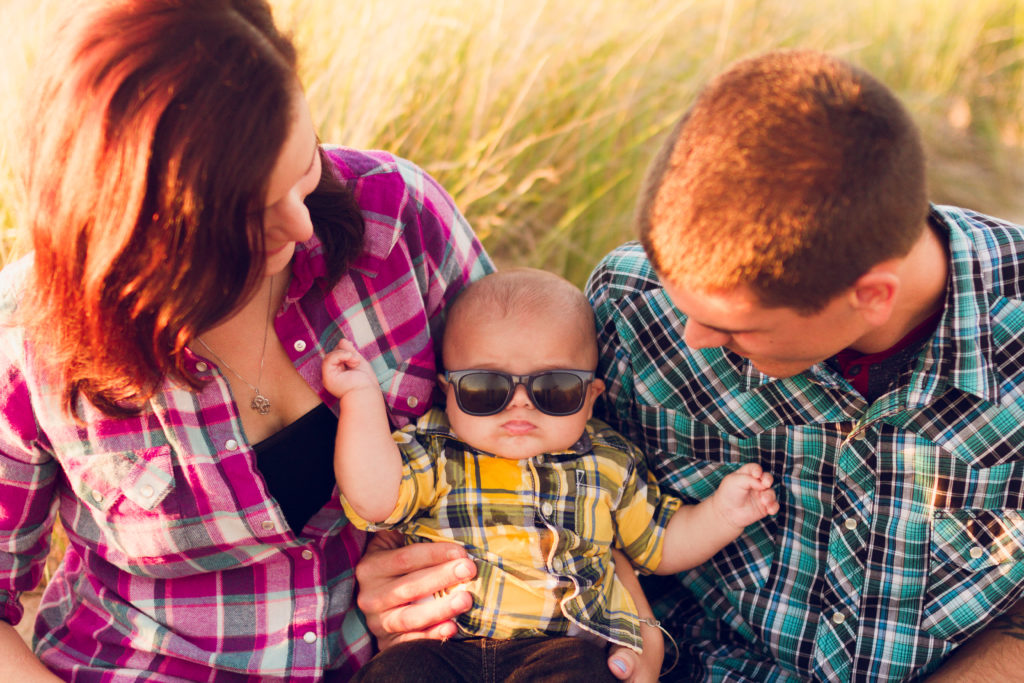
130	496
975	570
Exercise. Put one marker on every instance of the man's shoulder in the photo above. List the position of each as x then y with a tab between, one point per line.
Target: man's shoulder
623	272
991	248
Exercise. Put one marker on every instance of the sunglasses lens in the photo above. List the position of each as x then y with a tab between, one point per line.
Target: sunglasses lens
483	393
558	393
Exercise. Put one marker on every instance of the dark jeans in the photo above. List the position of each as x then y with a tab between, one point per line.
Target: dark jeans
484	660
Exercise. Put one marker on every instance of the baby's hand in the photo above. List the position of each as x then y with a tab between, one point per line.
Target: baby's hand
344	370
745	496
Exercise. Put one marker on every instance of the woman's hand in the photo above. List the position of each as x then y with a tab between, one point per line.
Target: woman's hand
393	579
627	665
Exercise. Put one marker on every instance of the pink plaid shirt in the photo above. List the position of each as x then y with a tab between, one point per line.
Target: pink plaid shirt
181	566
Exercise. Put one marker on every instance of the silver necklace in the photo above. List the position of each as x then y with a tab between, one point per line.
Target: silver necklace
259	403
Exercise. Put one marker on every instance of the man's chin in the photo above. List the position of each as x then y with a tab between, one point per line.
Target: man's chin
778	371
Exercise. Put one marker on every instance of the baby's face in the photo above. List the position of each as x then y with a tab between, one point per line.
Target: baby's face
522	345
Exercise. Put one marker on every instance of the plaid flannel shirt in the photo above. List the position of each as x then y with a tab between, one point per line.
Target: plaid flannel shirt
540	530
181	566
900	532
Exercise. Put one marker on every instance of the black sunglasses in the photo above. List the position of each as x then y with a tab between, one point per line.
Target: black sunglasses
487	392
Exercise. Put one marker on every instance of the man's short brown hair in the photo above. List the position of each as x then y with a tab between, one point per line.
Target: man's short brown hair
793	173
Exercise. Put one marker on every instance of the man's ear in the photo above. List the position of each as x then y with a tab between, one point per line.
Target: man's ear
874	293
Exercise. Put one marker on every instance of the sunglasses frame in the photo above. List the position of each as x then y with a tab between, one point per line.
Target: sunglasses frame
454	377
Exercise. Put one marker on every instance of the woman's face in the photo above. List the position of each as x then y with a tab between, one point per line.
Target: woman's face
296	174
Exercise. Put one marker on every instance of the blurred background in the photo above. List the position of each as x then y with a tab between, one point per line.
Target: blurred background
540	116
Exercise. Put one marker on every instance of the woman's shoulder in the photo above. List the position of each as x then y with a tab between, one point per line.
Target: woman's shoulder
382	175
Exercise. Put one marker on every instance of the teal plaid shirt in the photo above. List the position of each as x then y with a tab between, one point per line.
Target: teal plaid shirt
900	533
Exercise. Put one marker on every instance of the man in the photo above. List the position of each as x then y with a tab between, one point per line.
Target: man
795	301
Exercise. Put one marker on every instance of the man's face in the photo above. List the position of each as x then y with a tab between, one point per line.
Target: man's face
780	342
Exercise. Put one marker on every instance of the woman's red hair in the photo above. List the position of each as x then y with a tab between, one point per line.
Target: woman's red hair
155	129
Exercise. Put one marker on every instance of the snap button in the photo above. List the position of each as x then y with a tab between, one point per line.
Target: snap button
231	444
977	551
146	491
97	496
202	367
850	523
838	618
412	401
307	554
546	509
267	525
300	346
309	637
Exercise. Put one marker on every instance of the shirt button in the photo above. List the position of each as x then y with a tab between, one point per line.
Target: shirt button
850	523
838	618
97	496
412	401
300	346
146	491
309	637
976	552
540	459
307	554
202	367
546	509
267	525
231	444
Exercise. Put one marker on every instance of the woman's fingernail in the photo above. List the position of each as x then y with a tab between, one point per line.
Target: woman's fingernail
620	665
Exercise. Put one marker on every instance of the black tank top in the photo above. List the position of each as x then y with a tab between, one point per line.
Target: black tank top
298	465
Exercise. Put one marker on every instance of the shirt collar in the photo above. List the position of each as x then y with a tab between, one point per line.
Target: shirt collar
963	343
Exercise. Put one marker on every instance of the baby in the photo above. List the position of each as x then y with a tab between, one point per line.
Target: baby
539	493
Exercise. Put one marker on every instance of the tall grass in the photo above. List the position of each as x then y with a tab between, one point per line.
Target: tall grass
539	116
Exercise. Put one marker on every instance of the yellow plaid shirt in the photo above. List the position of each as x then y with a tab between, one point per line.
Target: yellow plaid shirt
540	530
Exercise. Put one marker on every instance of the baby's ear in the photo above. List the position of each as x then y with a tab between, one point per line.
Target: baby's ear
442	382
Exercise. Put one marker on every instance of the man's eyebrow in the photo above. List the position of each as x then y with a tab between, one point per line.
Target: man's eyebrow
723	330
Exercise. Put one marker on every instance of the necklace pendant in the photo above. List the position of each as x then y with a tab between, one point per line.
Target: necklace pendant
260	403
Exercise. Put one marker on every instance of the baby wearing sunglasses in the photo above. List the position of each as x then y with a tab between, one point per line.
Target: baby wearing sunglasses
538	492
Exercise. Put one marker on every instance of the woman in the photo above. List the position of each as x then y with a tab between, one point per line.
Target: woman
195	252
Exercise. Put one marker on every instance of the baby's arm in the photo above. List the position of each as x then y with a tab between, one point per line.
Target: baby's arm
696	532
367	461
624	663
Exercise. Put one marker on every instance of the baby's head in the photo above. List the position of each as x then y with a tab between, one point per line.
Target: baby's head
521	322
